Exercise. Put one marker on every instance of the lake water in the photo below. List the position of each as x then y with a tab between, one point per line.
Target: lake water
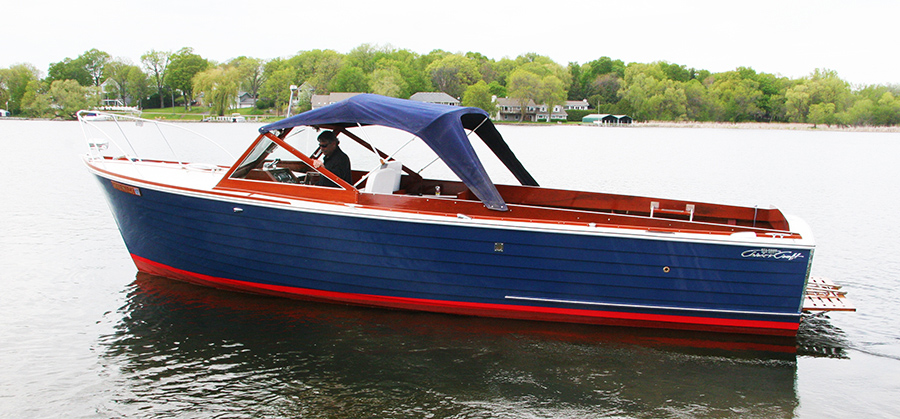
84	336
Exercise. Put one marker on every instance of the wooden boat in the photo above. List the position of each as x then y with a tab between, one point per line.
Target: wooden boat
394	239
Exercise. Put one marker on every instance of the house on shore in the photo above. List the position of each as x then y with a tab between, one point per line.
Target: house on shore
435	97
511	110
578	105
245	100
319	101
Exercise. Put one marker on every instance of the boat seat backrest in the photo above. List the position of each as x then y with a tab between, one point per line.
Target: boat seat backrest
385	179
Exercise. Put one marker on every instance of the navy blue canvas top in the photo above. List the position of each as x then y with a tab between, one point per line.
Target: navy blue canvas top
439	126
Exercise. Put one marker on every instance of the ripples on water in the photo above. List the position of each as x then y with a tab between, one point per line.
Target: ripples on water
182	350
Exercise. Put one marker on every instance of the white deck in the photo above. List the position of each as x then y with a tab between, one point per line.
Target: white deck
191	176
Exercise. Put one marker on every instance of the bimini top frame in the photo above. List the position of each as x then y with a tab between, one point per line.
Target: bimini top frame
441	127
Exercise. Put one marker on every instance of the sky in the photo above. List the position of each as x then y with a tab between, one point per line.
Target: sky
790	38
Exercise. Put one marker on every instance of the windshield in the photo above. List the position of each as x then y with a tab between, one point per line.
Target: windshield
259	153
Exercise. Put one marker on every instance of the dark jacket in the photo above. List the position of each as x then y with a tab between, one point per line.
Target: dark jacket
339	164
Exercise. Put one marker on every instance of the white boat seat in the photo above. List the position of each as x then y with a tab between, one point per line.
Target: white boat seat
385	179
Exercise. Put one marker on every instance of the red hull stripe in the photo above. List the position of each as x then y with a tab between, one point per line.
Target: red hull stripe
481	309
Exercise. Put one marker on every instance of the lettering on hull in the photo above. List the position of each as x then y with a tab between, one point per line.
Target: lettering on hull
786	255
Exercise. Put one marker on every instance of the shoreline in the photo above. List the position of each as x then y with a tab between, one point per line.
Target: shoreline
765	125
647	124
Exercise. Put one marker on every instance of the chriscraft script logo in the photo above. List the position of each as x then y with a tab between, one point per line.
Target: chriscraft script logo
772	254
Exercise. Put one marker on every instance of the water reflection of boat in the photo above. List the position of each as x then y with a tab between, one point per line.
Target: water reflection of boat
817	337
175	343
696	342
391	238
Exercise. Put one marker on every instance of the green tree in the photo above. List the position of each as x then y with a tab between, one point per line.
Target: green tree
479	95
797	102
861	113
365	57
552	93
88	69
251	74
648	93
139	86
431	57
13	83
497	89
826	87
484	64
219	87
579	88
157	63
670	104
701	105
502	69
772	89
69	69
453	73
62	98
349	79
524	87
280	75
543	67
820	87
605	65
182	68
128	83
389	74
413	69
641	83
676	72
887	109
538	79
36	100
821	113
68	97
387	81
304	98
606	89
585	78
317	67
872	105
94	62
739	97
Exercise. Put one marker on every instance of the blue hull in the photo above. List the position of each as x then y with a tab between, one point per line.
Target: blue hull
454	268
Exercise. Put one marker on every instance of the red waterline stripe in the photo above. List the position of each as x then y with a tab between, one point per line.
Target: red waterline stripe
480	309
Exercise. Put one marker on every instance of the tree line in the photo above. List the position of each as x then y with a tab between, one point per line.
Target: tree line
646	91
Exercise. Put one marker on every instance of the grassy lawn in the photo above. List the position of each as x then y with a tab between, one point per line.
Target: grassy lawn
197	113
175	113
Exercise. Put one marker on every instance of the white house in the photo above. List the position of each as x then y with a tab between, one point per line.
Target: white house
511	110
579	105
319	101
435	97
